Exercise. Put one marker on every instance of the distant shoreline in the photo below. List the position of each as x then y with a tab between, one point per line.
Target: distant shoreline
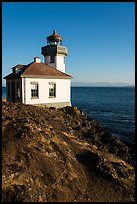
102	86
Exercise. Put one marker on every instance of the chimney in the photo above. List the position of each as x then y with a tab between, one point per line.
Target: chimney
37	59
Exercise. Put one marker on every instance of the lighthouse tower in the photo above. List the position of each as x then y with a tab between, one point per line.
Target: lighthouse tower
54	53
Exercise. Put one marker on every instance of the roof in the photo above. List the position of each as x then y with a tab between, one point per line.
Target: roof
38	70
18	66
54	36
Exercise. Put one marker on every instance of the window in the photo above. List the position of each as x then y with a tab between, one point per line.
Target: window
8	86
18	90
64	60
52	89
34	90
52	58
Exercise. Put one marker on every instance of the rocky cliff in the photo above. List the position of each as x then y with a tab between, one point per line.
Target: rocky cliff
56	155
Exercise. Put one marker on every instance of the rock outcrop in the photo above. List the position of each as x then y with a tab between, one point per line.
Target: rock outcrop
57	155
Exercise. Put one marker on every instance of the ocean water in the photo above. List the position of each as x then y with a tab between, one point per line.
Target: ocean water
3	92
113	107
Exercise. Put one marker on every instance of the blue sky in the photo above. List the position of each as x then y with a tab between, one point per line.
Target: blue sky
100	37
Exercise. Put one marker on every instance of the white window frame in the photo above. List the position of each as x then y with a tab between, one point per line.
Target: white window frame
52	90
34	90
18	90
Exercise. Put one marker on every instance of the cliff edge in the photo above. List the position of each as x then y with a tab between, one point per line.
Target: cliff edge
52	155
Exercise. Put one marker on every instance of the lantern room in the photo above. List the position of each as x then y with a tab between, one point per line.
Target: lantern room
54	39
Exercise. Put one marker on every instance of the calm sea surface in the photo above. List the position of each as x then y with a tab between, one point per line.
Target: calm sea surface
3	92
113	107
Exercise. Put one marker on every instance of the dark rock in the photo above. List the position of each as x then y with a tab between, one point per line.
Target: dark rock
88	158
15	193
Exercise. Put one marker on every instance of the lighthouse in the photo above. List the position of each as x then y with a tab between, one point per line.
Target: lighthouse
54	53
42	83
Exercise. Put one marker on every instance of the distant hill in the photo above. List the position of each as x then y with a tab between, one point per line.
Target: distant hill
100	84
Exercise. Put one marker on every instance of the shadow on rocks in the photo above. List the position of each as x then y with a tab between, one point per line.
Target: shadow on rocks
95	163
15	193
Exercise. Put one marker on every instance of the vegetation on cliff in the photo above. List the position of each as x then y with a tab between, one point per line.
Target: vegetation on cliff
54	154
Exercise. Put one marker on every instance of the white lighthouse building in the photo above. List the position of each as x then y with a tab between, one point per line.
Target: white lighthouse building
54	53
42	83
